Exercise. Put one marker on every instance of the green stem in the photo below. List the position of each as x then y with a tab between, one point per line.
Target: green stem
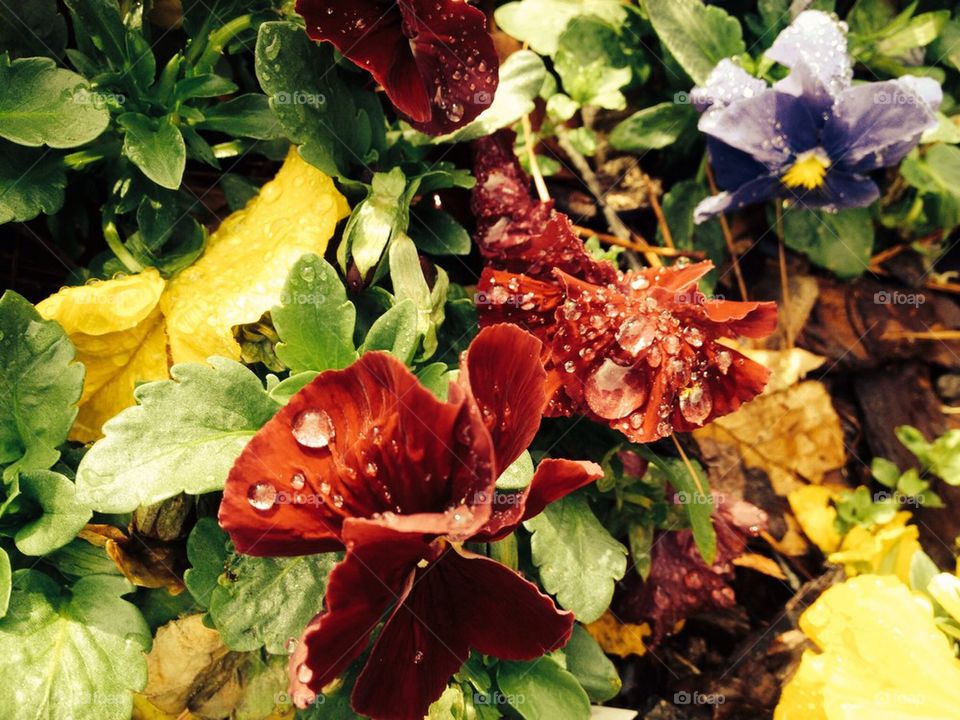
218	40
116	245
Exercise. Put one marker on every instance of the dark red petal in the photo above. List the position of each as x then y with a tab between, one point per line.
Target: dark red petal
370	34
553	479
750	319
460	601
371	440
517	299
503	372
456	61
372	577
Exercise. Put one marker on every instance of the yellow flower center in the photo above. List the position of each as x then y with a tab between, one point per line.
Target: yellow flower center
808	171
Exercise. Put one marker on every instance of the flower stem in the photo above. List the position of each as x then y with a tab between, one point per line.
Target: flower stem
116	245
538	180
784	279
690	468
728	237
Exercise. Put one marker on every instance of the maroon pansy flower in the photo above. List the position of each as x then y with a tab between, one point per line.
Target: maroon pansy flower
368	459
434	58
637	351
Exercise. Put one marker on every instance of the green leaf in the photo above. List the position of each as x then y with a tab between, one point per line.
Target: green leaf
207	551
336	123
78	558
840	242
244	116
6	582
920	31
940	457
522	75
885	472
264	602
947	46
61	516
183	436
378	218
697	35
591	64
206	85
32	181
540	22
314	320
542	690
31	29
286	389
579	560
653	127
157	148
517	475
40	386
99	29
76	653
41	104
395	331
922	571
437	233
409	283
592	669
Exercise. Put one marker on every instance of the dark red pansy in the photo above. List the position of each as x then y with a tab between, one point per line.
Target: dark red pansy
637	351
434	58
367	459
680	584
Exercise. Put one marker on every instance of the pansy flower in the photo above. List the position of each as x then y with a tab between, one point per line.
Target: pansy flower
434	58
368	459
814	136
637	351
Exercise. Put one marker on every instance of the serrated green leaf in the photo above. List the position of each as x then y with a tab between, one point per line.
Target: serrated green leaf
541	689
395	332
32	181
77	653
263	602
156	147
207	551
314	320
183	436
592	669
578	559
41	104
40	386
697	35
653	127
591	63
58	515
517	475
286	389
539	23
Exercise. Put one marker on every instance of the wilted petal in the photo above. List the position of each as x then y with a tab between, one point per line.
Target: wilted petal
354	443
458	602
875	125
819	41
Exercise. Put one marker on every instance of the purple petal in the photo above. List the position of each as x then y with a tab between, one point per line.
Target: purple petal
875	125
731	167
757	190
771	127
841	190
927	88
803	82
727	83
819	41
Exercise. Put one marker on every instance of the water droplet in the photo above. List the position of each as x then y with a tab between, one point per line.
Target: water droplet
370	469
313	429
614	391
291	645
308	273
304	674
418	657
262	496
696	403
636	335
723	361
298	481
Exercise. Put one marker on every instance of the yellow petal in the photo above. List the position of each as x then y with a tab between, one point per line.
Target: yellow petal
117	329
619	638
883	549
811	505
882	657
241	274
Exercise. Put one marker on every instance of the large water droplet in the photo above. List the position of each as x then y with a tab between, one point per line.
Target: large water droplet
614	391
304	674
636	335
696	403
313	429
262	496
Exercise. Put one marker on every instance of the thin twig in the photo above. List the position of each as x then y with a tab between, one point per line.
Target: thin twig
690	469
728	238
931	335
538	180
661	219
638	244
784	279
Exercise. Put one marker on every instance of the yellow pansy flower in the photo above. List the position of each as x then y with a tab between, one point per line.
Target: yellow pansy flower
880	657
130	329
882	549
242	271
118	330
812	506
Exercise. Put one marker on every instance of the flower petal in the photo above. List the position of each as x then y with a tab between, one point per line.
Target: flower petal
502	371
354	443
118	332
373	576
755	191
875	125
245	265
727	83
733	167
818	41
460	601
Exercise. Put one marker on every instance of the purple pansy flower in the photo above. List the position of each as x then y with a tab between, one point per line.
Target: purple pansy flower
814	136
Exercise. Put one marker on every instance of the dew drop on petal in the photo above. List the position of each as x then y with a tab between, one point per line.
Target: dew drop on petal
298	481
418	657
696	403
313	429
262	496
304	674
290	645
613	391
636	335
